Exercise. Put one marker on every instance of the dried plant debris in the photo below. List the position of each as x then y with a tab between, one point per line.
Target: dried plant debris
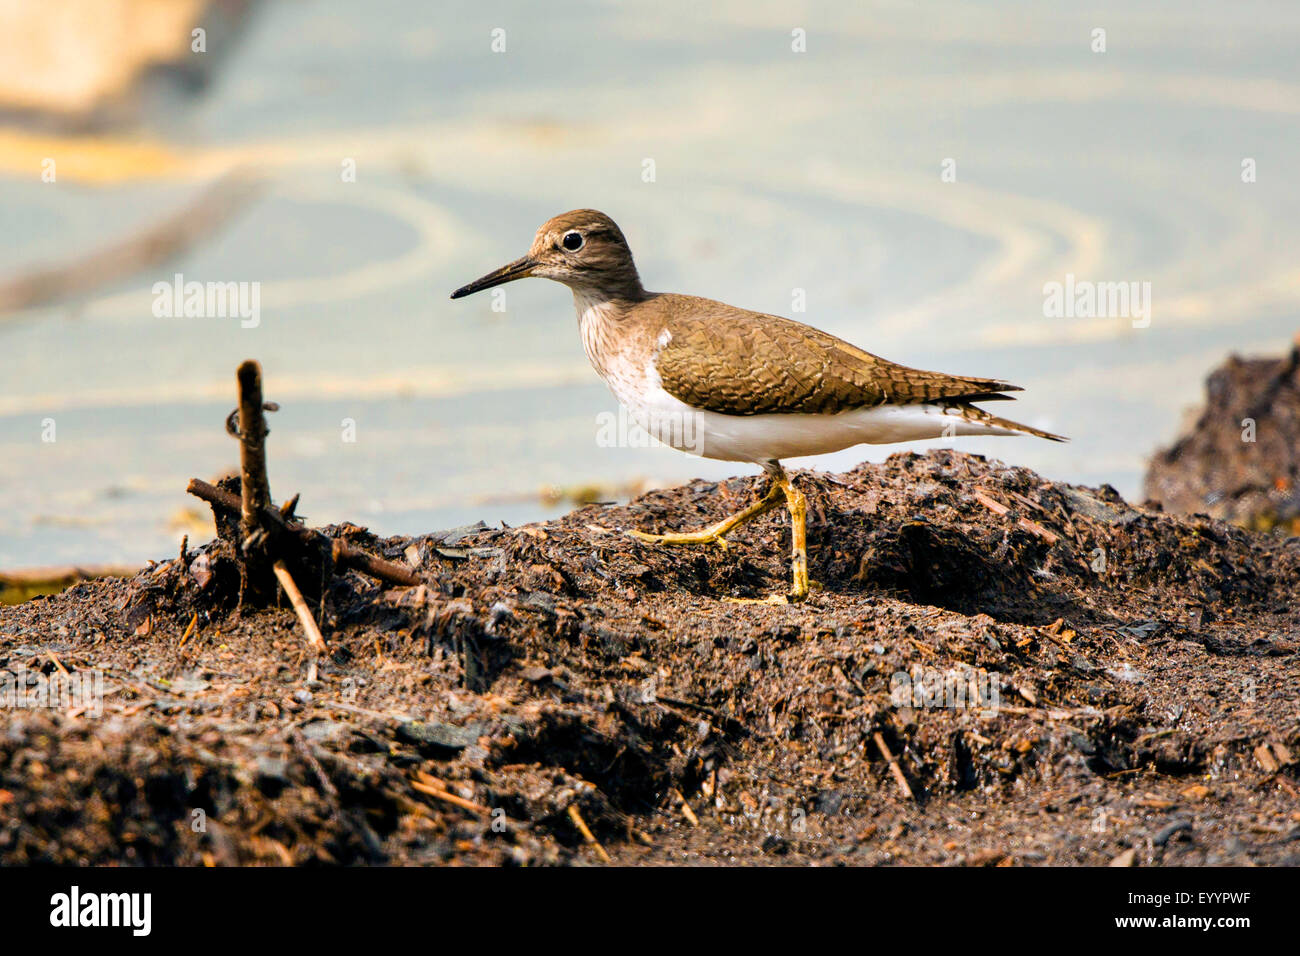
1240	461
995	670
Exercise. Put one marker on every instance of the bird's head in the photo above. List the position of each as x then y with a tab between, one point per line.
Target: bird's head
584	249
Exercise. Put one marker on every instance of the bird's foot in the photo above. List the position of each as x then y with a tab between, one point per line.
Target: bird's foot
704	536
714	533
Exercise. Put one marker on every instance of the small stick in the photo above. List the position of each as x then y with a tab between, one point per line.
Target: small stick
997	507
1045	713
314	638
57	663
254	488
350	557
687	812
894	768
189	630
451	798
1033	527
399	718
587	835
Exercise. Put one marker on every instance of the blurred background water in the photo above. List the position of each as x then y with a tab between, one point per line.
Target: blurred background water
774	170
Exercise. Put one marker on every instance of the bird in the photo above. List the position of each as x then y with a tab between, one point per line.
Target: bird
726	383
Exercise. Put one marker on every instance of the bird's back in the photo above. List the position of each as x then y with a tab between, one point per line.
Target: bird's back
722	358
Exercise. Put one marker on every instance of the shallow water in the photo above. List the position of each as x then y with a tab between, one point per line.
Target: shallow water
774	171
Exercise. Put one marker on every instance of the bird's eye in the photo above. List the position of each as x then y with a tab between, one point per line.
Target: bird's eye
572	241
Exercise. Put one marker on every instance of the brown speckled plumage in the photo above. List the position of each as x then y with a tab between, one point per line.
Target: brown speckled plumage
738	362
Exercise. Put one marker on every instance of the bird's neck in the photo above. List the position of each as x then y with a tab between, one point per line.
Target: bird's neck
602	319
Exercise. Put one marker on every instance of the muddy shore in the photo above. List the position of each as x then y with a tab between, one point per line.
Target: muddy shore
1240	459
995	669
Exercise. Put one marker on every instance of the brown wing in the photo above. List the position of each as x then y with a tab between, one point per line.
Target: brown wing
737	362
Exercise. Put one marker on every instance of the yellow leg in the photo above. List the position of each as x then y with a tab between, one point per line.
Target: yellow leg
714	534
797	504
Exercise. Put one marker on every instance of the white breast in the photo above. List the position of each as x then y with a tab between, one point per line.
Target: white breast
627	379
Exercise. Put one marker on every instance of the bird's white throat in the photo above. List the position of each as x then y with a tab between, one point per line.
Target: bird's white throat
598	324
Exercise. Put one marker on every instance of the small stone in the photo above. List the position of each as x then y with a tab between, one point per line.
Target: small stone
439	738
322	730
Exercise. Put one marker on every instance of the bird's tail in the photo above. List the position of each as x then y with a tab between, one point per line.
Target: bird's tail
999	426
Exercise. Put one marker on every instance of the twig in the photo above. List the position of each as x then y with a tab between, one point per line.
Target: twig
353	708
1046	713
687	812
1033	527
194	621
314	638
254	488
350	557
451	798
997	507
231	502
894	768
57	663
587	835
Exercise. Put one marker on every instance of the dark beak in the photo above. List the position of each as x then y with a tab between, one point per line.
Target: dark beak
519	269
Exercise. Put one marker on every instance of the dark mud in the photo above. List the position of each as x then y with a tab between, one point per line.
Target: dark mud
995	670
1240	460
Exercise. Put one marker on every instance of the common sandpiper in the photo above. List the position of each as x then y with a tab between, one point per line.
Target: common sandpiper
730	384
